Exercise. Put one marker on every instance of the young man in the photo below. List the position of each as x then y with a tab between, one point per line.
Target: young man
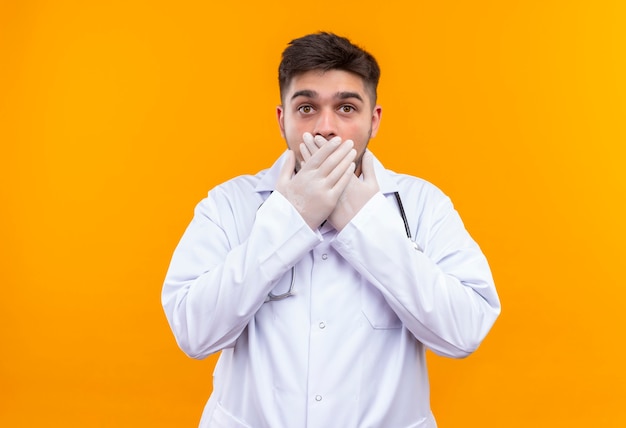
320	290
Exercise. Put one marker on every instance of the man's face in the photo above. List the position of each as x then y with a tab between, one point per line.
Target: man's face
331	103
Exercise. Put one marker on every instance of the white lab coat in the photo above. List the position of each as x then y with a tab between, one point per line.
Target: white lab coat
348	348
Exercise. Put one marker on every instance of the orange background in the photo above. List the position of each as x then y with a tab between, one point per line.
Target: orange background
116	118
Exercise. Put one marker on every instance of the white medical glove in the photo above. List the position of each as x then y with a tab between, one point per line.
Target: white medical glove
356	194
311	144
315	189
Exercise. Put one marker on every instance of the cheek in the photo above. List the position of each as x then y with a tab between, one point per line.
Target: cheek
293	137
361	136
292	128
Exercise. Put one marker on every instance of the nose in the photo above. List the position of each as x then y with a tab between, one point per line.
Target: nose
326	125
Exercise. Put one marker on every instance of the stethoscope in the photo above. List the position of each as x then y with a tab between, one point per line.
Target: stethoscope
271	297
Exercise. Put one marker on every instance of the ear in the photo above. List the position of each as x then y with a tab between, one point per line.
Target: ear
280	116
376	116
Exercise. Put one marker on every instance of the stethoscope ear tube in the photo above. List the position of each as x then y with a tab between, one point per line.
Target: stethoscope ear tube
406	222
403	214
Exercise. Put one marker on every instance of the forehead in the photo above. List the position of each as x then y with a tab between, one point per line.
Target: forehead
326	84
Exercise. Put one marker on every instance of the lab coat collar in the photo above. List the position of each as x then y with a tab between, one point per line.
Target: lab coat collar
268	181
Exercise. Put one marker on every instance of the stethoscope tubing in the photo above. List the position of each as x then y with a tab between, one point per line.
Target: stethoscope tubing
273	297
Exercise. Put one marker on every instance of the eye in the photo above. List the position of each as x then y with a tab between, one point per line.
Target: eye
306	109
347	108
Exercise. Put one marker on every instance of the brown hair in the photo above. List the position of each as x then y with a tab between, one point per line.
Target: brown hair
324	52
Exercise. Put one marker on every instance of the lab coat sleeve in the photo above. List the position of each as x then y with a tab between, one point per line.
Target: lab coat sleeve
445	296
217	281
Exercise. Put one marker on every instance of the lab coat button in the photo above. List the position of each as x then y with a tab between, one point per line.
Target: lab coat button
318	398
322	325
324	256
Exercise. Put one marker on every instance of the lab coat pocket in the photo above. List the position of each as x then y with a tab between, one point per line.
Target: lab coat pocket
376	310
221	418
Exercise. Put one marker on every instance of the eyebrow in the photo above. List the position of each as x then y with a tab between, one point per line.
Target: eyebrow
340	95
346	95
304	93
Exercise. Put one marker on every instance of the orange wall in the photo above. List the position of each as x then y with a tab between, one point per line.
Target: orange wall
116	117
